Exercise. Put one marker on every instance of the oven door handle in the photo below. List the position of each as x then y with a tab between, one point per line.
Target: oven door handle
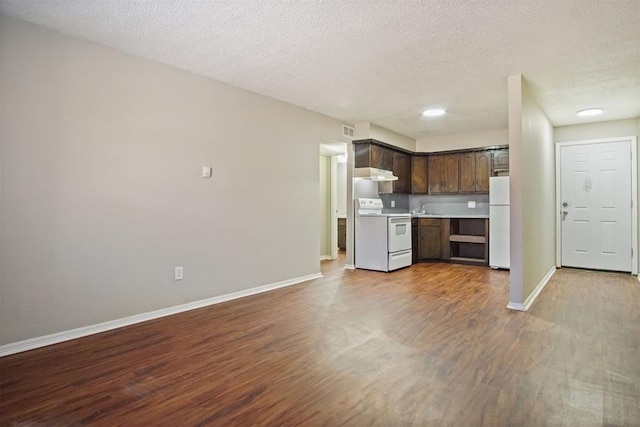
400	220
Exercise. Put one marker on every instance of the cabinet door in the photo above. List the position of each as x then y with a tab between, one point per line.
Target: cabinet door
342	233
483	171
362	155
467	172
475	169
371	155
430	239
436	174
451	168
381	157
445	232
501	160
402	169
419	175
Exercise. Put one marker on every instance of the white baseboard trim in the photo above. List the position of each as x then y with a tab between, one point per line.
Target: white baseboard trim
349	267
532	297
325	257
516	306
43	341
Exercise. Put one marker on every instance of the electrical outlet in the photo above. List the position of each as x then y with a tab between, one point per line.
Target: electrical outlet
177	274
471	204
393	203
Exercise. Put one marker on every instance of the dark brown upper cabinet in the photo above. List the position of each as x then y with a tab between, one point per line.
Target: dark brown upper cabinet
451	167
419	175
443	173
483	171
402	169
375	156
451	172
435	174
475	169
501	162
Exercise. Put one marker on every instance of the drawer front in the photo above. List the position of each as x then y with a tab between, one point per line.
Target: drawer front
430	221
399	259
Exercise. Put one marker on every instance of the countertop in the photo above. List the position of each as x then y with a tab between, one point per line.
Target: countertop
426	215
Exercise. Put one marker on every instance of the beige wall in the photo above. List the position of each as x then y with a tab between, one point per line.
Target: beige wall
606	129
532	171
370	131
436	143
460	141
101	188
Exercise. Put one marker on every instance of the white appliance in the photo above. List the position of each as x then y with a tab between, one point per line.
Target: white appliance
374	174
499	222
382	241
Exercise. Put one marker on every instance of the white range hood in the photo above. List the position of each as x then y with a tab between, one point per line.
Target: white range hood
374	174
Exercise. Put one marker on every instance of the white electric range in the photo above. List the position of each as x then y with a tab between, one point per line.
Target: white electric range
382	240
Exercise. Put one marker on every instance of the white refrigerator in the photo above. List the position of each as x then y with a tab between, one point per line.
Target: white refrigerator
499	222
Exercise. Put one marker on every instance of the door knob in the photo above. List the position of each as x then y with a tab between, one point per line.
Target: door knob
564	213
565	204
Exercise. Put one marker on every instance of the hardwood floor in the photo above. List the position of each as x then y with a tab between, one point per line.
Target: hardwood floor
431	345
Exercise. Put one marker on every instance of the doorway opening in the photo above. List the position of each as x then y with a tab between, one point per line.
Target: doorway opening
333	200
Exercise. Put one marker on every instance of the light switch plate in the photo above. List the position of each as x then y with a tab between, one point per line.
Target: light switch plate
393	203
206	171
471	204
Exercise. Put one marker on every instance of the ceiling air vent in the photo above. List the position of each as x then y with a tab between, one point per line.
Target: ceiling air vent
347	131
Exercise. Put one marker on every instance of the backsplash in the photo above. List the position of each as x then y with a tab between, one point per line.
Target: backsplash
369	189
402	202
446	204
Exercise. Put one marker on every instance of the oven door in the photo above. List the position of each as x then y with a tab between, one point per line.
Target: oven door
399	233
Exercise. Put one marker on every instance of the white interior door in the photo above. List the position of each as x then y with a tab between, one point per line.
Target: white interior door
596	206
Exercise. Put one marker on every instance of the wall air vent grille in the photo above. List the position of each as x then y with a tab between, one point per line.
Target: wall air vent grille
347	131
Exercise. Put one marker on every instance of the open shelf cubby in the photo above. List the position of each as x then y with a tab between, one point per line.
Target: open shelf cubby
468	240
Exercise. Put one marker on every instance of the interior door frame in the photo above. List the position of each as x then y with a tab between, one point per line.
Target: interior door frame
633	142
333	209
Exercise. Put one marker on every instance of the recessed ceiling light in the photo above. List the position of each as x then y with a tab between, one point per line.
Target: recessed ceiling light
590	112
434	112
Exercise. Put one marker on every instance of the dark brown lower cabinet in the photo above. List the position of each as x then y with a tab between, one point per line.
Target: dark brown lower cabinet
342	233
415	241
458	240
430	238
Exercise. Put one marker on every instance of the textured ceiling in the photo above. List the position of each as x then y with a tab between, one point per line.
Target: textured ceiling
382	61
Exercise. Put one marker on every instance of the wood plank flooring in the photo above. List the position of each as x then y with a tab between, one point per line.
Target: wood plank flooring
431	345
